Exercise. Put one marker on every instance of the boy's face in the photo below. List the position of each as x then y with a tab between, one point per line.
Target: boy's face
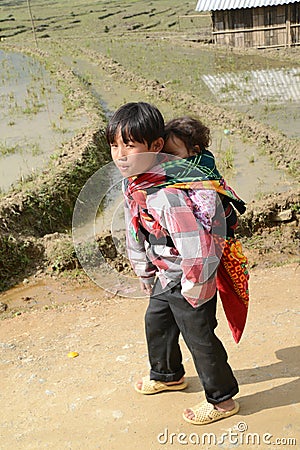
175	146
133	158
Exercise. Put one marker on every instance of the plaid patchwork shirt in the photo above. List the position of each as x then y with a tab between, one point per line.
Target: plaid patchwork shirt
192	260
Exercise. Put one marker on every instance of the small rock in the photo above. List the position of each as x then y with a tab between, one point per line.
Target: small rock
7	346
47	392
283	216
3	307
32	377
117	414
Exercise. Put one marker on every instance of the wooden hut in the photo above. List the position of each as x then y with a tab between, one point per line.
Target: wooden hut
254	23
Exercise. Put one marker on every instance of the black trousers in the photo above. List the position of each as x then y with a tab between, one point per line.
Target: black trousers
168	315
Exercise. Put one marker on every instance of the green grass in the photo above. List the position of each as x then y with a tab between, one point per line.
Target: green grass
6	149
25	147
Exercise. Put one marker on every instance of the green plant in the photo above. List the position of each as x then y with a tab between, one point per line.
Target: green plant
296	208
228	158
252	159
6	149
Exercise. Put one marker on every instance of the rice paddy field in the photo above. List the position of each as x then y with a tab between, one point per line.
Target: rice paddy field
157	51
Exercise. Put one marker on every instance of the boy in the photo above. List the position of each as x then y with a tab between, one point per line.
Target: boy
175	259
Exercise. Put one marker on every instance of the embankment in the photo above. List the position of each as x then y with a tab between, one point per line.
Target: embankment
44	206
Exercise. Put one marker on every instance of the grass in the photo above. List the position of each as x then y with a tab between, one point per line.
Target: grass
6	149
252	159
225	158
33	148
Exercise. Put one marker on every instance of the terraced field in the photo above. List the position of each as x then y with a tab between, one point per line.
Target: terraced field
104	53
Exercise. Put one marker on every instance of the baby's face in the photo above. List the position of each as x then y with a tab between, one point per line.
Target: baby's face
175	146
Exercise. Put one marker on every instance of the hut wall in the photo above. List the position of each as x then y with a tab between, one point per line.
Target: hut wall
295	23
257	27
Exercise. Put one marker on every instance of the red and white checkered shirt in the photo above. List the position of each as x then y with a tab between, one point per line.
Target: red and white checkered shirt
192	261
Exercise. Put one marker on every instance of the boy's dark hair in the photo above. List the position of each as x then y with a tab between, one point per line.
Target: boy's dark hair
190	131
140	122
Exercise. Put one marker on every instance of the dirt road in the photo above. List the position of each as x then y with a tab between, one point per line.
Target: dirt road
49	400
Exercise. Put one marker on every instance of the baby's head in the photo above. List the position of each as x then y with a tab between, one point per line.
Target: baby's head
185	137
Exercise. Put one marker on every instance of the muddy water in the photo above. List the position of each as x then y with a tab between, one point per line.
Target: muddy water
32	119
30	138
266	88
271	96
44	293
252	174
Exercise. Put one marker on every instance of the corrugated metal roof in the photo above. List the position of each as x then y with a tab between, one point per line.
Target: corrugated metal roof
215	5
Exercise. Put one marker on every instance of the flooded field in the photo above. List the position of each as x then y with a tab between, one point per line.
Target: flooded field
150	52
271	96
270	91
234	155
33	118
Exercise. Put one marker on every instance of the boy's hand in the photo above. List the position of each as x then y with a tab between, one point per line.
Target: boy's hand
146	288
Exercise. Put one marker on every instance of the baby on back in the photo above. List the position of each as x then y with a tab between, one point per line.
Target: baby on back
186	137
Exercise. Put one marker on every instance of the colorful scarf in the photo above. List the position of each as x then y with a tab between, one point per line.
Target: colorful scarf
195	172
198	172
232	284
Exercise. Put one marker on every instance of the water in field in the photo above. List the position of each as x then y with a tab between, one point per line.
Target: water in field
271	96
33	125
266	88
252	173
32	118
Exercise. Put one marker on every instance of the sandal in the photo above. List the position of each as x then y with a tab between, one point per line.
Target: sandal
206	413
154	386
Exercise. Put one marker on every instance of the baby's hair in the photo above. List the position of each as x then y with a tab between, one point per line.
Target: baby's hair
140	122
190	131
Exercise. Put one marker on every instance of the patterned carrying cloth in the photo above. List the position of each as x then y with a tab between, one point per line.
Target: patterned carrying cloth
232	284
200	172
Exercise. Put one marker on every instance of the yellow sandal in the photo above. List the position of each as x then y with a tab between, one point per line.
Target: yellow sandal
154	386
206	413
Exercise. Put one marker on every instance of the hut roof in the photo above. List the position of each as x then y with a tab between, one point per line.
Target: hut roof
215	5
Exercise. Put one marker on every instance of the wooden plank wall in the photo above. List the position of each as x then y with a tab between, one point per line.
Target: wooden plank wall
269	26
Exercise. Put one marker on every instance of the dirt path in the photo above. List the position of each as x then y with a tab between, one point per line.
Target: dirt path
51	401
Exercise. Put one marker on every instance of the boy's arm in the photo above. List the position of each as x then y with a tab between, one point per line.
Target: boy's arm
136	252
198	260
